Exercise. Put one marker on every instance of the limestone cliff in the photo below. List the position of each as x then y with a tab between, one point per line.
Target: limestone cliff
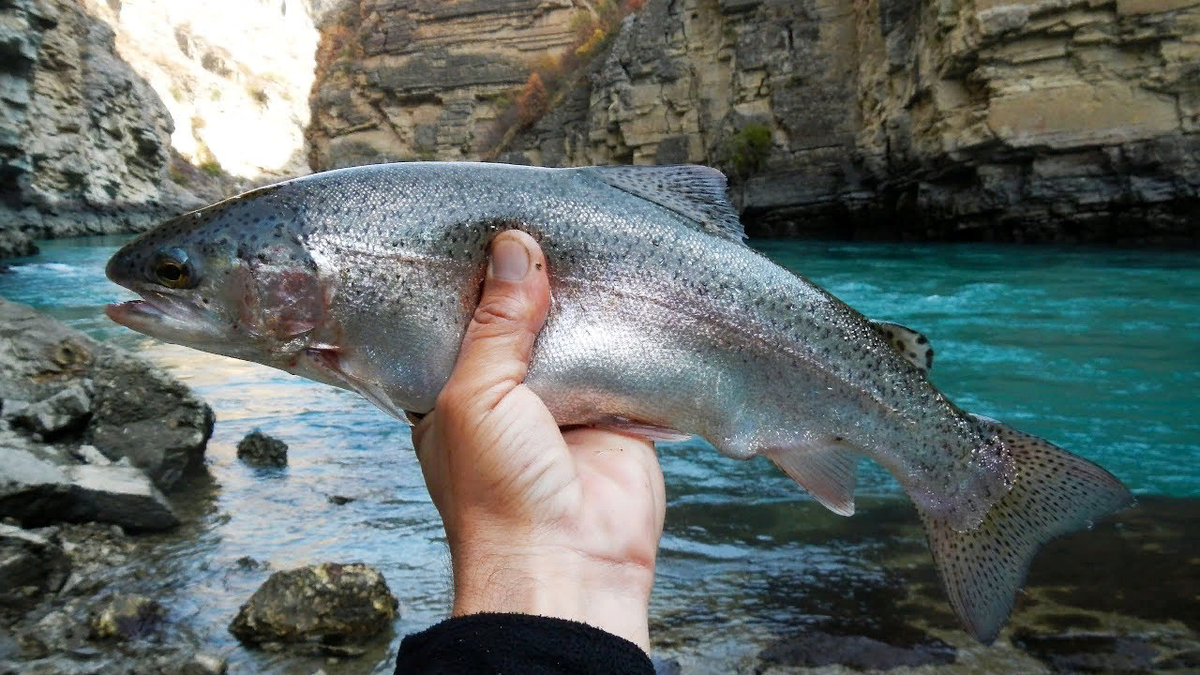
116	114
409	79
84	141
970	119
1053	120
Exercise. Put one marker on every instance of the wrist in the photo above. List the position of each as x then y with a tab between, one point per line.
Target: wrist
554	581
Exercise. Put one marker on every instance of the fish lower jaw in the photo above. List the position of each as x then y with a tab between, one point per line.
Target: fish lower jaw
147	318
132	311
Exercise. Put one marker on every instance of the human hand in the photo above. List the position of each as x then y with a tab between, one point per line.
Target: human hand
539	521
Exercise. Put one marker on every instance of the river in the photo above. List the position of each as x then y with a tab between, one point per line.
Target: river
1095	349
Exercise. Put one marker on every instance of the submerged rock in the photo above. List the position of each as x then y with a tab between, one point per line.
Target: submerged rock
124	617
325	604
815	649
37	493
86	392
259	449
1089	653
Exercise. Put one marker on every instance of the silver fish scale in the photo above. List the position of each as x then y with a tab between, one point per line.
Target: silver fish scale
755	358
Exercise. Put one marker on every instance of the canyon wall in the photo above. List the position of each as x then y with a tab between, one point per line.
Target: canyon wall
1059	120
84	141
425	79
115	114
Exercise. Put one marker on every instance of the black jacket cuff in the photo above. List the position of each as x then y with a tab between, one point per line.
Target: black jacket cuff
479	644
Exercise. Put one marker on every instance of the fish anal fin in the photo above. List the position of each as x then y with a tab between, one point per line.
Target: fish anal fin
698	193
645	430
1054	493
826	470
910	344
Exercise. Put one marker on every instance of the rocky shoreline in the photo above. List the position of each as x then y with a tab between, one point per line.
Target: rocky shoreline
95	443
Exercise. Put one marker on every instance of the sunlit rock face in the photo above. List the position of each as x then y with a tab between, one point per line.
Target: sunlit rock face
973	120
84	141
425	79
234	74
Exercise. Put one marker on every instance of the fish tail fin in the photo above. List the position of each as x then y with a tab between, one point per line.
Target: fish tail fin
1054	493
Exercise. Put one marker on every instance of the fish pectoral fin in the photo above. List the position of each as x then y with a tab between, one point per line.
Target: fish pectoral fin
697	193
827	470
908	343
328	361
648	431
1055	493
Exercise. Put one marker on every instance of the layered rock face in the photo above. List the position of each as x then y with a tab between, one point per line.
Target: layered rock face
424	79
84	141
1071	120
975	120
234	74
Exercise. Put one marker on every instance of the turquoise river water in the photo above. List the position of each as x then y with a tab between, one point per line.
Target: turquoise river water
1097	350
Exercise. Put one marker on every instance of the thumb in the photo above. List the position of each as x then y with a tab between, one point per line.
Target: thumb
496	348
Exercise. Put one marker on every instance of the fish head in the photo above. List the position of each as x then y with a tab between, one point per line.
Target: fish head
232	279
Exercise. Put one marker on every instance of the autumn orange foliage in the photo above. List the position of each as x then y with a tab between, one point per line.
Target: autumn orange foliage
592	29
533	101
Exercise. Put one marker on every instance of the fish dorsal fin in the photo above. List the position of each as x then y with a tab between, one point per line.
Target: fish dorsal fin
909	343
695	192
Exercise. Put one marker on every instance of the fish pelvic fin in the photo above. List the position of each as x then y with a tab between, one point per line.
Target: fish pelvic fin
1054	493
826	470
698	193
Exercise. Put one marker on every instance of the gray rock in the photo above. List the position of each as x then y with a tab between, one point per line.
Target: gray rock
65	411
30	565
91	455
124	617
259	449
37	492
138	411
319	604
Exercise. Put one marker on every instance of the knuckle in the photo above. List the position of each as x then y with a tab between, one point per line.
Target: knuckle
500	310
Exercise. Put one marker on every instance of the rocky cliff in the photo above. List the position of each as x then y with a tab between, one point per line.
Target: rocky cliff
115	114
426	79
1064	120
84	141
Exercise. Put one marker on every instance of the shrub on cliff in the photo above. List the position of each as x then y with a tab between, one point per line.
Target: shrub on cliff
593	28
745	153
533	101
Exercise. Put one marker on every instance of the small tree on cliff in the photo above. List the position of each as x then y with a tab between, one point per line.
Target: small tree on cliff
533	101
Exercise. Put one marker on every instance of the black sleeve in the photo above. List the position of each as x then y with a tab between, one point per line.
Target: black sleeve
481	644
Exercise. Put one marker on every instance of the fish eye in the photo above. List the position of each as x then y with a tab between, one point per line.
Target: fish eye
173	269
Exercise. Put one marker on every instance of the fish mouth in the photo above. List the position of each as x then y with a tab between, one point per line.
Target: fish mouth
167	318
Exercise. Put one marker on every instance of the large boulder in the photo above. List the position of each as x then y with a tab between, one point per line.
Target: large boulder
37	492
81	391
325	604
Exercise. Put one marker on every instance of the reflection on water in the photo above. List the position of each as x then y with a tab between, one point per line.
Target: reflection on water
1093	349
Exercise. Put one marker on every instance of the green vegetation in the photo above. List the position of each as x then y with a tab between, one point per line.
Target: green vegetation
746	151
212	167
178	176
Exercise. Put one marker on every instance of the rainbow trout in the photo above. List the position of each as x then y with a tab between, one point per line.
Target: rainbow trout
662	322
